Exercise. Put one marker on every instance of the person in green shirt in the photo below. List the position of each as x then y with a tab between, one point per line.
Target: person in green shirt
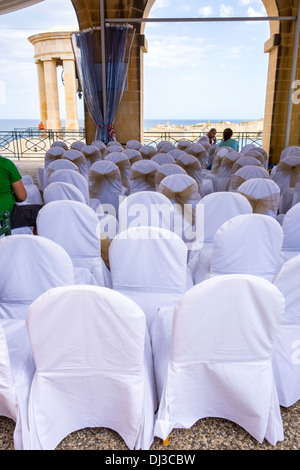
12	190
228	141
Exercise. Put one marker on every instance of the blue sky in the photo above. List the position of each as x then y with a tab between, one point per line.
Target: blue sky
191	71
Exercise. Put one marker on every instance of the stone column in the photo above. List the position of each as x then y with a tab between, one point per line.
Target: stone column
53	118
42	92
70	94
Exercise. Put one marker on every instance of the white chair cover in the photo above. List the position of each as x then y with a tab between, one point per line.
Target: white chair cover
183	145
287	173
123	163
159	275
93	367
177	153
193	168
77	145
61	165
33	195
27	179
30	265
217	208
113	149
183	192
133	144
60	143
285	356
245	161
290	150
71	177
146	208
217	159
100	145
60	191
16	373
142	176
133	155
248	147
247	244
256	154
105	185
147	151
163	158
92	154
225	170
263	195
198	151
245	173
74	226
161	144
291	234
166	147
217	361
79	159
167	170
52	154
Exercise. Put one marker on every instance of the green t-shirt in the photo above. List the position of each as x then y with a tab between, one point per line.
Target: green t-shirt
230	143
9	173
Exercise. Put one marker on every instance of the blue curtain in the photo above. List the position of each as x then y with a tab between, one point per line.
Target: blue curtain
87	51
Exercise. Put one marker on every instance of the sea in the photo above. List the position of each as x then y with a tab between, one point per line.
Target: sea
12	124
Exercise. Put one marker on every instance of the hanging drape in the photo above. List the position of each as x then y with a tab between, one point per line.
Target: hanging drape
88	55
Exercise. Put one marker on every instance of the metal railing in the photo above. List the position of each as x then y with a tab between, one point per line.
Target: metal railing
244	138
33	143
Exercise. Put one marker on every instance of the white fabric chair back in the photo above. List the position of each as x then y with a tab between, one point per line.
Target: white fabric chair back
16	373
91	153
291	233
142	176
93	367
78	158
146	208
53	154
30	265
219	360
33	195
177	153
100	145
123	163
133	155
27	179
263	195
159	276
287	173
71	177
60	191
256	154
162	158
285	357
248	147
245	161
60	143
217	209
77	145
133	144
259	238
74	226
198	151
217	159
290	150
61	165
165	147
245	173
105	184
183	145
167	170
147	151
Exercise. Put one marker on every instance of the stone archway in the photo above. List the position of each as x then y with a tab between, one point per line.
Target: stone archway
129	119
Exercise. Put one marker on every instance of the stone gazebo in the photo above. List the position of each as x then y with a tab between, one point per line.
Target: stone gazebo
53	49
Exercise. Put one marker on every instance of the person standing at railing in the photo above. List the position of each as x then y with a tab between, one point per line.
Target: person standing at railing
12	190
228	141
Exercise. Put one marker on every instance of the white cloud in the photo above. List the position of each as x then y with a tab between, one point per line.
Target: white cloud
252	12
205	11
225	11
160	4
176	52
